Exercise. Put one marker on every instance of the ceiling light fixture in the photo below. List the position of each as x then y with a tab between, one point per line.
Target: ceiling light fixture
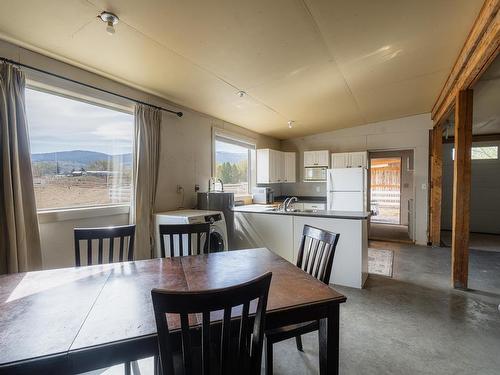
111	20
290	124
241	93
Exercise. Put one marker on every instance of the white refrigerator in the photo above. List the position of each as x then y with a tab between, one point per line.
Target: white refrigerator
346	189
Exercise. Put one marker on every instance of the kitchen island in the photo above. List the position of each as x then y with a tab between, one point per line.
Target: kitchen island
263	226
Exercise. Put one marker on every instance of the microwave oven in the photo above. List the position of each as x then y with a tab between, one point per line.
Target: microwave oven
315	173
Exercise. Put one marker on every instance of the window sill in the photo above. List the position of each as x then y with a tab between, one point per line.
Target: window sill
56	215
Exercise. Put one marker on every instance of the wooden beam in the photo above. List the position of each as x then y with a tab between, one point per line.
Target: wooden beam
461	189
478	52
477	138
436	186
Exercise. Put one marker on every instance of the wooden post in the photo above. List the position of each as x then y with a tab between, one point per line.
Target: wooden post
436	184
461	189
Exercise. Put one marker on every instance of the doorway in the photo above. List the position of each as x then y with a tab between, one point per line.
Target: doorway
391	195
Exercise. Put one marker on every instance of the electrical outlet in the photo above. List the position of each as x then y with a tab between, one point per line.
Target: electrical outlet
196	187
318	189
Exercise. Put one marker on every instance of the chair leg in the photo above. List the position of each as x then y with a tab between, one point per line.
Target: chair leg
298	341
156	368
269	357
127	368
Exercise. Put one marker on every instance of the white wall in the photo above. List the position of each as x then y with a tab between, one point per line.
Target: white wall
185	156
405	133
485	188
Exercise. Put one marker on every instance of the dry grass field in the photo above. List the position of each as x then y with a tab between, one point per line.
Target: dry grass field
62	192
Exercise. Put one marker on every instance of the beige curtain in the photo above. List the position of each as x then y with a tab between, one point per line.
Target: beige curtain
146	160
19	235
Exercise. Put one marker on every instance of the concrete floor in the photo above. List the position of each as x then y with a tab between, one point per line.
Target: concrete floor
413	323
477	241
389	232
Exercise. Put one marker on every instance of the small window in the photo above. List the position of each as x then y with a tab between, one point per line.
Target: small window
481	153
232	164
81	153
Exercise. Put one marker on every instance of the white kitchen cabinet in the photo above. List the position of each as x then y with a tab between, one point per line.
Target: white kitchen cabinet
275	166
358	159
254	230
316	158
289	167
340	160
350	160
350	263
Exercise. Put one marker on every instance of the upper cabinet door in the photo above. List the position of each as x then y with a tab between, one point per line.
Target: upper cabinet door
263	166
289	167
322	158
316	158
340	160
279	166
358	160
309	158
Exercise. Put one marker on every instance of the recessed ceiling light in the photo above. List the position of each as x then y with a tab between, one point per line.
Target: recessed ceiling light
241	93
111	20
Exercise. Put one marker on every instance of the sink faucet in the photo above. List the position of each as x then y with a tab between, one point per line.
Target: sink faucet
289	201
221	184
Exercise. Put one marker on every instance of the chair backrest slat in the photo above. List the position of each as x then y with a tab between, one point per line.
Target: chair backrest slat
111	249
100	234
167	232
245	360
89	251
316	252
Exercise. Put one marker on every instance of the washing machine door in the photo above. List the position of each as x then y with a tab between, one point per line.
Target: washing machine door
216	241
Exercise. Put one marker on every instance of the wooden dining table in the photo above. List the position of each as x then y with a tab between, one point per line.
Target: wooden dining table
73	320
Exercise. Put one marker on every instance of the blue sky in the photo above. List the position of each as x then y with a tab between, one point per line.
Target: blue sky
61	124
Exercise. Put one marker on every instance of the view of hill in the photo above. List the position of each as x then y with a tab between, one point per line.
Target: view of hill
64	162
76	159
79	156
230	157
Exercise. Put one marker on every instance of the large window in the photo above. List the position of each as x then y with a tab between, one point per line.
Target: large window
233	164
481	153
81	153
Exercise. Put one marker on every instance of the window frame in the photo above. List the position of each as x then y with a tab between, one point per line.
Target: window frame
83	94
238	140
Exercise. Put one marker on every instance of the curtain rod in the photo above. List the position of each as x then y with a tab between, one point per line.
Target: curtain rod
180	114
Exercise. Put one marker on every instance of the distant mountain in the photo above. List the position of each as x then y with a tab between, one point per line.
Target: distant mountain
230	157
80	157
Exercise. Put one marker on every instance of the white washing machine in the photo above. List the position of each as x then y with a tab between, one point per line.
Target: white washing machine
218	229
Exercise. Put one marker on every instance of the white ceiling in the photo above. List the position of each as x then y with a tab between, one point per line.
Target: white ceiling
326	64
486	103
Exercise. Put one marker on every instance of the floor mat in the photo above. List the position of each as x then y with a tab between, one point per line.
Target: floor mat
380	261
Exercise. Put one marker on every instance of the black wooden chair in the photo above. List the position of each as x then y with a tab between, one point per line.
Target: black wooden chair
169	232
315	257
126	234
216	352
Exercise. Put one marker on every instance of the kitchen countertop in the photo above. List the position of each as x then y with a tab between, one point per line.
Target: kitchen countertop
267	209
